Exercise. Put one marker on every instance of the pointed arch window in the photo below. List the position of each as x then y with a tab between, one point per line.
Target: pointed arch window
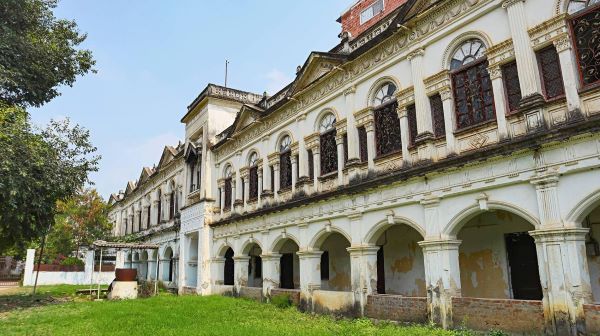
585	26
227	187
328	145
159	212
253	176
473	97
387	124
285	162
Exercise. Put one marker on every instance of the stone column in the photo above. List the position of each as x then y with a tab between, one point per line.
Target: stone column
276	176
526	60
181	262
564	276
352	133
310	275
302	154
339	141
239	187
363	274
260	184
217	271
404	134
294	169
246	185
499	101
241	272
562	261
270	272
316	166
222	196
233	191
449	119
442	276
266	168
422	105
371	150
568	68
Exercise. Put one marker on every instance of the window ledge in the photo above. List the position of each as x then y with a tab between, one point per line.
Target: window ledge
388	155
475	127
328	176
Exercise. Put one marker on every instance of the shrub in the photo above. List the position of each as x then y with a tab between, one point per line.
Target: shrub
281	301
72	261
496	332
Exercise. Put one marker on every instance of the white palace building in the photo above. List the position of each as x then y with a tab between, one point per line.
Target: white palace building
441	163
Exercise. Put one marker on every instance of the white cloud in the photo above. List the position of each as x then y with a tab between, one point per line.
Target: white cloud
276	80
124	159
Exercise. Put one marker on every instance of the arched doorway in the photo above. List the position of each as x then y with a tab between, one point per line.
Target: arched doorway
254	266
228	268
289	264
167	265
592	222
498	257
335	263
400	265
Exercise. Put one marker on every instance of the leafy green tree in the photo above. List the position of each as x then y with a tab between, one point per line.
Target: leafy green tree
38	52
37	169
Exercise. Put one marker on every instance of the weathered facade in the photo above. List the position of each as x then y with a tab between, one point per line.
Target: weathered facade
440	163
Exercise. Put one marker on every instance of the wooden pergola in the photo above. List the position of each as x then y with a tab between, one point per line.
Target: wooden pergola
101	244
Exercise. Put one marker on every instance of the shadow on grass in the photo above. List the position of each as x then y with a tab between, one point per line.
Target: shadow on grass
22	297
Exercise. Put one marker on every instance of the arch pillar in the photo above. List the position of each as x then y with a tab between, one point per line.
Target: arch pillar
240	272
270	272
216	270
310	275
564	276
442	277
363	273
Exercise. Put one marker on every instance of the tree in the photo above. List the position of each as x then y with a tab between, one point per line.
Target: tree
37	169
80	220
38	52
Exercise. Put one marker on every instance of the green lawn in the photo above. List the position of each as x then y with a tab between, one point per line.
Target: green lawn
185	315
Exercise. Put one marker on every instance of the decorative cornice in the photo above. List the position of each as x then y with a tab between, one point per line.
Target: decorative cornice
405	97
501	53
437	82
416	53
549	31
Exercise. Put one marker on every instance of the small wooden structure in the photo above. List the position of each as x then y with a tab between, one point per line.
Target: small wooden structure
102	245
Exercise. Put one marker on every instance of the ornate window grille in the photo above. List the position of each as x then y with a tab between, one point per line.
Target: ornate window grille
387	129
362	144
437	114
328	145
199	173
253	176
285	162
473	96
411	115
192	169
552	80
512	87
227	188
586	33
345	137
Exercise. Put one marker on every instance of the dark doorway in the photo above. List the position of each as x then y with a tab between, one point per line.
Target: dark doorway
228	276
286	276
380	271
170	269
523	264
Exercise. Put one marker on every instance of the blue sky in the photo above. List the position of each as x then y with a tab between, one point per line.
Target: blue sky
154	57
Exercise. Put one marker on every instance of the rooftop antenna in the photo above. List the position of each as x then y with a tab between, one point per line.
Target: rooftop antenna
226	66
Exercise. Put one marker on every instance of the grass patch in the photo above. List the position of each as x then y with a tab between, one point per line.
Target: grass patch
21	297
189	315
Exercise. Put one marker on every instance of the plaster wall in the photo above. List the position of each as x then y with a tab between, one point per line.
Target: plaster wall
484	270
339	263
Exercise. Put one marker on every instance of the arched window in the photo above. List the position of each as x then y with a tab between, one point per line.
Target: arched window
329	162
227	175
253	176
387	124
172	201
285	162
585	23
473	96
148	211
